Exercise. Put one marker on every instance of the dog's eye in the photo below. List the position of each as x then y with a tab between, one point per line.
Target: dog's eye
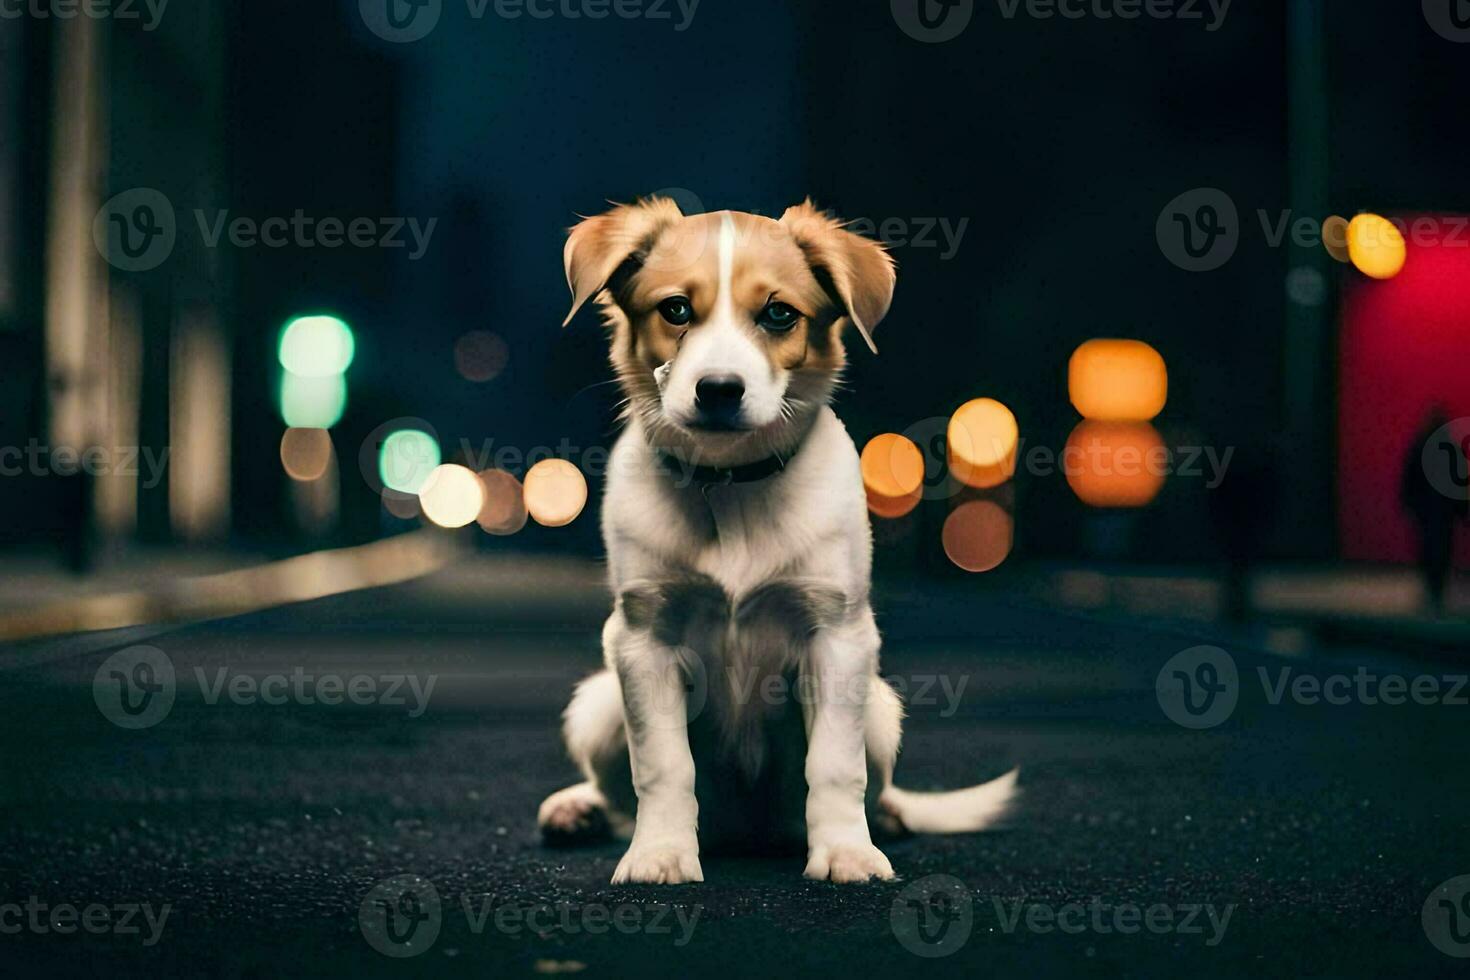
676	310
779	317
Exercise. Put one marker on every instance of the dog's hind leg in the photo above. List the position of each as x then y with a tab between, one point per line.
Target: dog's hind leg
883	731
603	804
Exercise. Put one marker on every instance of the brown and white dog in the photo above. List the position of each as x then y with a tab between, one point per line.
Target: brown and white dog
741	704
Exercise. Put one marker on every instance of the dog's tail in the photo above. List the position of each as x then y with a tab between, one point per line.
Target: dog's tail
960	811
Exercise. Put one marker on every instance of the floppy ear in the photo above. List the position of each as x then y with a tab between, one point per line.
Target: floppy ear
600	244
859	270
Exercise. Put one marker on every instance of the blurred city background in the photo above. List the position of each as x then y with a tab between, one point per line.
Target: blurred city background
1180	345
1024	179
295	163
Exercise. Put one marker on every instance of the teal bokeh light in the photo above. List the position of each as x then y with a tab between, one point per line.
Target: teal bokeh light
316	346
406	459
312	403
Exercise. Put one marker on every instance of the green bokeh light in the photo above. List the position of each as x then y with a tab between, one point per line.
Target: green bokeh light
312	403
316	346
406	459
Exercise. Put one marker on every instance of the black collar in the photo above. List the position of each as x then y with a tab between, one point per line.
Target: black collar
718	476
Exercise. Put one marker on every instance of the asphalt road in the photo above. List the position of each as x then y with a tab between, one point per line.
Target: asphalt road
250	839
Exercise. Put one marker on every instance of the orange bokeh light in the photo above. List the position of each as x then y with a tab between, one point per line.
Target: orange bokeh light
1117	380
504	511
1115	464
982	438
555	492
978	535
306	453
1335	238
893	508
1376	246
893	475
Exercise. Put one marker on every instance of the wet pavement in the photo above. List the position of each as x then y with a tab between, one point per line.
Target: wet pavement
253	828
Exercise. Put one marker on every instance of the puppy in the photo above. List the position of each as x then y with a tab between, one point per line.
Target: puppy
741	705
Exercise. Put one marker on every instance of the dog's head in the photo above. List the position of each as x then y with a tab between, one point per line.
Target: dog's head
727	327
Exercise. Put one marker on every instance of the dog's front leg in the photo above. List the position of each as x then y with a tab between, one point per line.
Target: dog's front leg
842	662
665	846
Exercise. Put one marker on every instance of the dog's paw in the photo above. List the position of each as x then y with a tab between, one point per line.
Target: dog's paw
659	863
575	812
847	863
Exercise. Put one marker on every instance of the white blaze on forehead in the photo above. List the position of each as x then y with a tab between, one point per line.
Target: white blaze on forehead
725	297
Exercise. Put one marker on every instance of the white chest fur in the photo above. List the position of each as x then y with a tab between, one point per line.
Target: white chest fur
809	521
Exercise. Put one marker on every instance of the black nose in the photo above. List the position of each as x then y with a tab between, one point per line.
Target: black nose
717	396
